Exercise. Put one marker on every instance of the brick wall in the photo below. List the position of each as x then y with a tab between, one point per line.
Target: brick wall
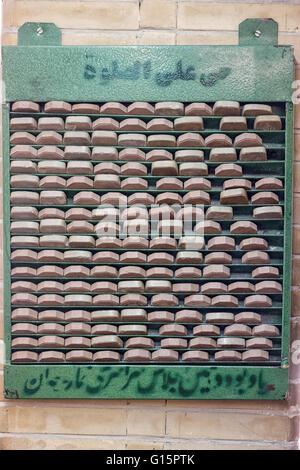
158	424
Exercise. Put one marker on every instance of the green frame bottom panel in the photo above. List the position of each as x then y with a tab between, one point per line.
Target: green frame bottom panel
145	382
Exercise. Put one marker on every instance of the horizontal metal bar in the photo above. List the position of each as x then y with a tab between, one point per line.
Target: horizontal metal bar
121	250
275	321
210	177
120	117
264	133
277	233
147	205
276	339
125	235
148	190
156	347
145	293
271	146
155	307
147	265
152	323
275	351
117	279
153	191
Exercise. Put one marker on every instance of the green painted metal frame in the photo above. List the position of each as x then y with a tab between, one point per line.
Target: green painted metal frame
257	71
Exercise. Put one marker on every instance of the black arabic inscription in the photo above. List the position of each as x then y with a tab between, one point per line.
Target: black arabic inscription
91	381
144	70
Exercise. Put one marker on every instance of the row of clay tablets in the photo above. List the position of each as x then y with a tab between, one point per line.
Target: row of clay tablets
133	161
82	214
103	335
164	174
186	139
110	335
132	242
139	355
138	272
185	257
188	123
167	108
150	286
139	226
78	155
109	340
106	335
183	316
137	299
113	180
170	206
104	181
234	190
84	217
254	248
184	206
128	242
177	336
196	197
83	236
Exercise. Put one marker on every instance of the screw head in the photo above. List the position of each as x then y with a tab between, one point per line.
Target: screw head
257	33
39	30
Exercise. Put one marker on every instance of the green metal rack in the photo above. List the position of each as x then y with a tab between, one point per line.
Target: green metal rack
256	71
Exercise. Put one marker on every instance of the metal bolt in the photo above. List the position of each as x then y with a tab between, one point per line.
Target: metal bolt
39	30
257	33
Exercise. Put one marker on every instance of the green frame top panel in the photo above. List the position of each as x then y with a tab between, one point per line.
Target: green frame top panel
152	73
